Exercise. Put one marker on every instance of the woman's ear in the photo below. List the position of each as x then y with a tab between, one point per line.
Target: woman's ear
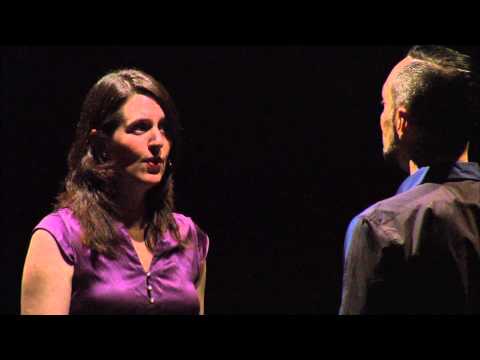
92	137
97	146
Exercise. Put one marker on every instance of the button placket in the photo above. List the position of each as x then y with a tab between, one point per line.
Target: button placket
151	300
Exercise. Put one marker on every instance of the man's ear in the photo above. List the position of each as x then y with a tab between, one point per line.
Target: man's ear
402	121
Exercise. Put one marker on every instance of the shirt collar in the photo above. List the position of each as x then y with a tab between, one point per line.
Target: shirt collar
459	171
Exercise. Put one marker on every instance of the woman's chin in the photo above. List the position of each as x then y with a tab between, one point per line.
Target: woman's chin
151	179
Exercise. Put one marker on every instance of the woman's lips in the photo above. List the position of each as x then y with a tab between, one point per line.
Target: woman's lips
153	167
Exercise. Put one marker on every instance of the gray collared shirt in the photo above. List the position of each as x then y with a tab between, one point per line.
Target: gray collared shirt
419	251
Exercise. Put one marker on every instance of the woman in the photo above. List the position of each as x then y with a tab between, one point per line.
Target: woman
113	245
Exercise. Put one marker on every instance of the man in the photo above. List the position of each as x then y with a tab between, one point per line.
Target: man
419	251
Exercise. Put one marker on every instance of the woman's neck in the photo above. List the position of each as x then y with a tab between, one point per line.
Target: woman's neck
131	206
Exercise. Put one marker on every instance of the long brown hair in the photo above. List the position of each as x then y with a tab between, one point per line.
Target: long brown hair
90	185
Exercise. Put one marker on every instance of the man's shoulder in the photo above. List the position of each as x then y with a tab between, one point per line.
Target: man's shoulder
404	205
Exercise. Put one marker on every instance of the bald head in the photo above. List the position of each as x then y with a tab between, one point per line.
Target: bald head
394	81
433	85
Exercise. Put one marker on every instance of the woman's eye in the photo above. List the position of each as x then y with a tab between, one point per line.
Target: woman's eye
139	128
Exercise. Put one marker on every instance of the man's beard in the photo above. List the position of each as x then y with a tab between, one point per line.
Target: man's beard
391	156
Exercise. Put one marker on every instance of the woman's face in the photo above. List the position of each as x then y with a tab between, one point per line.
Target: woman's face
139	145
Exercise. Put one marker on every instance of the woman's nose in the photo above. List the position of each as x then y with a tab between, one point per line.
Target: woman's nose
156	142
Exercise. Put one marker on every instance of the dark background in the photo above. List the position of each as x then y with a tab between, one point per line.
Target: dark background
282	147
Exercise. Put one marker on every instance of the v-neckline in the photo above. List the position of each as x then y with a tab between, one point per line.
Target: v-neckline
130	242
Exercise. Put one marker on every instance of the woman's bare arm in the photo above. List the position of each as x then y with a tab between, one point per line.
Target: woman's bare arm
200	285
47	278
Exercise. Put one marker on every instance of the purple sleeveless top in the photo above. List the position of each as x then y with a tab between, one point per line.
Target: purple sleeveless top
101	285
